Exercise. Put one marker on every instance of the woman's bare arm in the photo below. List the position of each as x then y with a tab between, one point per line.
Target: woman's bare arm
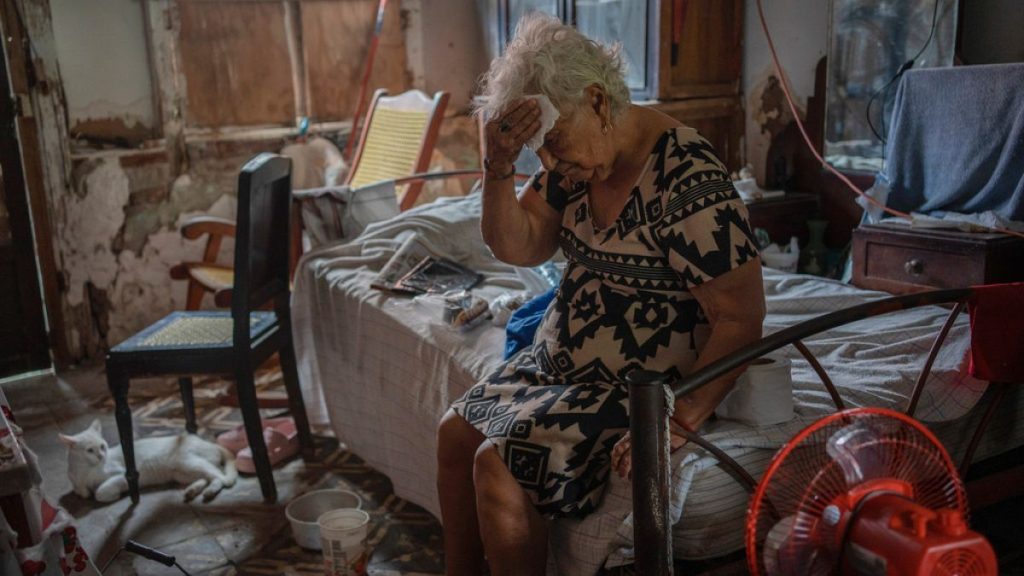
734	304
521	231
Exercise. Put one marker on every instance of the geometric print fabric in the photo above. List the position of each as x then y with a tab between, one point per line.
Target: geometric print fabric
556	409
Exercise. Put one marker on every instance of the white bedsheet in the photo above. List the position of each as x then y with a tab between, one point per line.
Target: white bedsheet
382	370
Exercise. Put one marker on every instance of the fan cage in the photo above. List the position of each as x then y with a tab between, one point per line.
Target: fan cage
802	480
959	562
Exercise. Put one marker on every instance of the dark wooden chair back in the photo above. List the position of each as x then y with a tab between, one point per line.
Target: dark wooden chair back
262	239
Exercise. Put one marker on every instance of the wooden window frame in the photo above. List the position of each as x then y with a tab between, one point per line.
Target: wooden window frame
567	13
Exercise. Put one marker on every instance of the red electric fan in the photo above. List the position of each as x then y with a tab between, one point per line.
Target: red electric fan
864	491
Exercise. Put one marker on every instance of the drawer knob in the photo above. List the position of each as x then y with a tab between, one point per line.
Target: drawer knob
914	267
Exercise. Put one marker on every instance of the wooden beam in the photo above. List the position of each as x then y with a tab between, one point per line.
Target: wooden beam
162	27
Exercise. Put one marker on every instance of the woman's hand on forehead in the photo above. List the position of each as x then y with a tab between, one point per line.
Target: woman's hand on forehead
507	132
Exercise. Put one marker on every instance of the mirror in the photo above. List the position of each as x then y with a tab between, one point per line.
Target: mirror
869	42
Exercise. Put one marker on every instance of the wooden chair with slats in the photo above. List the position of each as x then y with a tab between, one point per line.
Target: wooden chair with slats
397	140
231	343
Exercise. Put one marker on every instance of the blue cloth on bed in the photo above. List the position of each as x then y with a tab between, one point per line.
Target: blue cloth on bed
957	141
523	323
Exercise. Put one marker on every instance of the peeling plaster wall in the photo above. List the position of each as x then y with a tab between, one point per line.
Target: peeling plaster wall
101	47
121	238
800	31
116	214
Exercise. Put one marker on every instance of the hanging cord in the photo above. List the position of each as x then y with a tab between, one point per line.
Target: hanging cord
899	74
807	139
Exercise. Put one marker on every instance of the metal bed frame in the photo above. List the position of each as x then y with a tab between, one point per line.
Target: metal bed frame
651	395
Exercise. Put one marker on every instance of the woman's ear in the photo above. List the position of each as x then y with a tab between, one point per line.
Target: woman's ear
599	102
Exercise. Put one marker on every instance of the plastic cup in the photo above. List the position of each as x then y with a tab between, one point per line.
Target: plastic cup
343	536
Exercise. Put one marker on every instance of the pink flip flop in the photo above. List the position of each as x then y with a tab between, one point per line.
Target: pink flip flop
235	439
282	439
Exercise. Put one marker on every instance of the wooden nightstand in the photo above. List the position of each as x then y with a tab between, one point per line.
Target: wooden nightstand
899	260
784	217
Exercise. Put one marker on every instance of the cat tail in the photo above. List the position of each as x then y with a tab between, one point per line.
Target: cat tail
230	472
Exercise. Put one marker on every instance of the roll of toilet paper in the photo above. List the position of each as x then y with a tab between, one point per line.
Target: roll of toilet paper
762	395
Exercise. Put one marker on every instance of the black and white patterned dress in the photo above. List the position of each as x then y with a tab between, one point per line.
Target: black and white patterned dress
556	409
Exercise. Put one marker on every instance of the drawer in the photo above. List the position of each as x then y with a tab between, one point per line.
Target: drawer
922	266
901	260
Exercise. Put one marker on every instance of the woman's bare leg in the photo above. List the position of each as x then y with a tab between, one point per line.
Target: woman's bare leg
515	536
457	443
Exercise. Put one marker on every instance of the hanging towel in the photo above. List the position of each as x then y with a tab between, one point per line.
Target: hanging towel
957	141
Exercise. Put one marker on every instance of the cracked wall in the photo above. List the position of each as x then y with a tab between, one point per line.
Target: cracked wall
120	228
116	204
120	238
800	32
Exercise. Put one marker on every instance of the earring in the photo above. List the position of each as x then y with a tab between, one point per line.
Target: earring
604	129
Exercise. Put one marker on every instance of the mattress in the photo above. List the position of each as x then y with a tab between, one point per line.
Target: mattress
381	370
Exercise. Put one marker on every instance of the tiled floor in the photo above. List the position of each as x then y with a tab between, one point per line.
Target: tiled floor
236	533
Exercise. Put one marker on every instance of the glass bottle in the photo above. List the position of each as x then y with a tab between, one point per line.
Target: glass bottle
814	253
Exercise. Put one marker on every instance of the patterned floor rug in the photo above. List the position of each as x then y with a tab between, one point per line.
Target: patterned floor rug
236	533
405	539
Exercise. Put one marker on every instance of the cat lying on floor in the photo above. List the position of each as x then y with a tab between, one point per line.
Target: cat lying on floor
98	470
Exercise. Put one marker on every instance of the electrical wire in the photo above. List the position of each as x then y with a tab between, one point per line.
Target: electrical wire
871	101
810	146
111	561
899	73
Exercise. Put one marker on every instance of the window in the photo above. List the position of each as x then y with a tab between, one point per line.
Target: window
630	22
869	40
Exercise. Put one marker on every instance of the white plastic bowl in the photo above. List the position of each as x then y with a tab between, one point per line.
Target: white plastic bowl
303	512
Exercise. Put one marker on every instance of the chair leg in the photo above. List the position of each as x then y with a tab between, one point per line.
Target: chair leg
245	385
188	400
118	382
296	405
194	299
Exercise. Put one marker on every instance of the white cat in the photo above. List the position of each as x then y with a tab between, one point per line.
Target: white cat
96	469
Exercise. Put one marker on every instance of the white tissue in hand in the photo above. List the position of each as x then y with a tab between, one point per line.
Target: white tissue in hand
548	116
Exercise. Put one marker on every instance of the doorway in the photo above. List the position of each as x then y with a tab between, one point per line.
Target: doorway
23	342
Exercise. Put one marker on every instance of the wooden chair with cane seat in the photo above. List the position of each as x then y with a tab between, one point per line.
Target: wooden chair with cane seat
231	343
397	140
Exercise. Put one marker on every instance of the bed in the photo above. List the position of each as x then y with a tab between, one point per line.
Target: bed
380	370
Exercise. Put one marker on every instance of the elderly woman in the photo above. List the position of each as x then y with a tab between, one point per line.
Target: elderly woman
662	274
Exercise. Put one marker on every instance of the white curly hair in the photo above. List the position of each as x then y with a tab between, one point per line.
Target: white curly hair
548	57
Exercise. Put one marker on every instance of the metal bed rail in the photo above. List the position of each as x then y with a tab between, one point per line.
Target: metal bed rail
650	395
